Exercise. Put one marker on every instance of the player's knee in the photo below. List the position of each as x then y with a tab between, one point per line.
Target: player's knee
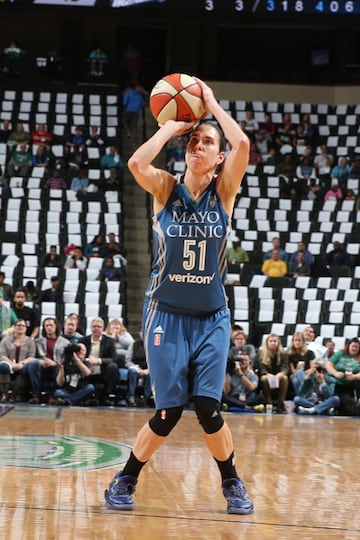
165	420
208	413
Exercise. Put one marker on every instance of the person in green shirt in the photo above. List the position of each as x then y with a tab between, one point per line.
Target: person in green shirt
20	161
236	254
7	317
344	367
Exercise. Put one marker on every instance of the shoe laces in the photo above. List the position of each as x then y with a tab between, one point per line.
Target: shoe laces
122	485
237	489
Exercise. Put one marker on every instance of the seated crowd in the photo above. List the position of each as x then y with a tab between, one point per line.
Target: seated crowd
60	365
309	377
276	262
67	168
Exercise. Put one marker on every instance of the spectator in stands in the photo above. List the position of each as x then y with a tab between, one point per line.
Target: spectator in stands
4	186
300	140
284	139
73	377
133	104
344	366
5	131
355	168
96	247
5	288
300	360
269	125
80	182
312	343
49	353
13	59
240	386
287	167
112	247
263	142
100	350
109	272
334	193
76	158
175	151
94	139
20	161
41	136
114	181
19	136
8	317
75	317
76	139
274	370
252	125
111	159
290	188
340	173
52	259
97	60
299	267
16	350
309	129
308	256
274	158
54	293
241	346
274	267
330	349
304	172
314	190
124	346
350	195
41	158
254	155
323	163
236	254
30	315
123	341
275	241
32	292
70	331
56	181
338	256
76	260
316	393
138	373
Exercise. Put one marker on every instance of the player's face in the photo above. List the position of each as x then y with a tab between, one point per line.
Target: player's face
203	149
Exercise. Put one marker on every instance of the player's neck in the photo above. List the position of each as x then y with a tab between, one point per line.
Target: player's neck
196	184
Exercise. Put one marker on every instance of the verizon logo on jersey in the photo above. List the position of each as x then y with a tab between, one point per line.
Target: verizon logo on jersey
191	278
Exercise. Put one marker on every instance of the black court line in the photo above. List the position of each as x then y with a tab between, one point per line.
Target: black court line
209	517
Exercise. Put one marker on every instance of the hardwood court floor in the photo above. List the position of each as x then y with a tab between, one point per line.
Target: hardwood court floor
301	472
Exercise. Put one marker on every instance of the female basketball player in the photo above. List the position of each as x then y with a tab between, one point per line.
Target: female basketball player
186	321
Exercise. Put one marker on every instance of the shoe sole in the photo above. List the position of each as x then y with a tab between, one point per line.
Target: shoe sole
241	511
113	506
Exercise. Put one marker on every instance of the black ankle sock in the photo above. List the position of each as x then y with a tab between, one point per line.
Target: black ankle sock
227	468
133	466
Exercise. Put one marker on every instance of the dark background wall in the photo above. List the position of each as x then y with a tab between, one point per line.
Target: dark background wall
218	48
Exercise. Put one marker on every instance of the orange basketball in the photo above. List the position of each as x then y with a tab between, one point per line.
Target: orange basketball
177	97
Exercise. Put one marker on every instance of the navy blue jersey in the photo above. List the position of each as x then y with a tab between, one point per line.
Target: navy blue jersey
189	268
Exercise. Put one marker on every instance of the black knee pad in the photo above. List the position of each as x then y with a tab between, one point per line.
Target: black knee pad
165	420
208	413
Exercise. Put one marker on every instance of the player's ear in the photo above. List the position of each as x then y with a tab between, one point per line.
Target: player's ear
221	158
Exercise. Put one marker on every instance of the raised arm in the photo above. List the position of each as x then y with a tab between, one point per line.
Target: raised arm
156	181
237	160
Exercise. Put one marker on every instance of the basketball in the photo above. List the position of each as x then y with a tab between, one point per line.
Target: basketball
177	97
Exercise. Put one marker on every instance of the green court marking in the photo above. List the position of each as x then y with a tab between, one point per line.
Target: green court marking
54	452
